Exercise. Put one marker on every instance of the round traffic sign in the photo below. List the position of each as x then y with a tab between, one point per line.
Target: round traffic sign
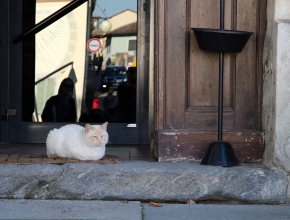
94	45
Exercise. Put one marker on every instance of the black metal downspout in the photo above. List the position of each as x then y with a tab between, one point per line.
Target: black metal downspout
221	78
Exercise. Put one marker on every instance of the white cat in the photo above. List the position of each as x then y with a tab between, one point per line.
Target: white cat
76	142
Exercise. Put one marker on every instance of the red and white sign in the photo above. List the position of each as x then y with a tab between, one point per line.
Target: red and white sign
94	45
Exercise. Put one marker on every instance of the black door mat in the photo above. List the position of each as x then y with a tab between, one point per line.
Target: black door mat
37	159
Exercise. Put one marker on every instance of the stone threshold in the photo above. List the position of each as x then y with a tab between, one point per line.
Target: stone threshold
144	181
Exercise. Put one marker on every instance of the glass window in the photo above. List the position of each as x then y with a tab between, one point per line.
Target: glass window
75	84
132	45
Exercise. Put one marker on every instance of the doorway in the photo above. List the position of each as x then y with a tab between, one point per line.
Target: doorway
30	84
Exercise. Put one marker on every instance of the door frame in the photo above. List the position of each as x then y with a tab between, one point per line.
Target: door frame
17	131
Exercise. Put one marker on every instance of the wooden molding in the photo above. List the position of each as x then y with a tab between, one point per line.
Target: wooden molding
184	144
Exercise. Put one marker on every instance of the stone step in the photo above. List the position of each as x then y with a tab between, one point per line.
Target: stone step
144	181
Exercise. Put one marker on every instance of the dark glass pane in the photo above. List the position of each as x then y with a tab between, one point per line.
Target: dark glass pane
132	45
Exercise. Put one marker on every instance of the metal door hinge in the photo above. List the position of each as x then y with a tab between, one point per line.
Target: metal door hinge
9	112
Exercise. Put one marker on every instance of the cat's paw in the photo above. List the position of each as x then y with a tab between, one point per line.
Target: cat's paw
52	156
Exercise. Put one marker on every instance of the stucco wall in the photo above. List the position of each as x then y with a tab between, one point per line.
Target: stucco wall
276	101
123	18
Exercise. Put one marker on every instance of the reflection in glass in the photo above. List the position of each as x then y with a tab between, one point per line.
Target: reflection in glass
119	102
110	68
104	81
57	46
61	107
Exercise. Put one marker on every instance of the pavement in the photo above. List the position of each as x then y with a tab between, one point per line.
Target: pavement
136	210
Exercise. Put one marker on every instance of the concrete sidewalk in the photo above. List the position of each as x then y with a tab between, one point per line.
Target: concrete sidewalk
134	210
65	209
216	212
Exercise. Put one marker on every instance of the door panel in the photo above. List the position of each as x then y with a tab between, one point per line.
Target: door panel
186	80
240	90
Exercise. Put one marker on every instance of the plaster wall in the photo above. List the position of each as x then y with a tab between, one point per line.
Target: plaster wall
276	101
123	18
120	44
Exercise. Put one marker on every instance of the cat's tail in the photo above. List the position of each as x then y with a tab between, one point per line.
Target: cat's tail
53	140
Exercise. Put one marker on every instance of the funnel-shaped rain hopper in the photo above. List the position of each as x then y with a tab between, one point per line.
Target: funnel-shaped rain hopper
221	40
220	154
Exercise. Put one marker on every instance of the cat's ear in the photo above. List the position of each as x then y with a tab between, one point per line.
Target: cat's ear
88	127
104	126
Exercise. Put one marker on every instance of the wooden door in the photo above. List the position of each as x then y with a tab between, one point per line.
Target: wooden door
186	80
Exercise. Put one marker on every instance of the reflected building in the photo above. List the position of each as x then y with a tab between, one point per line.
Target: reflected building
119	45
59	52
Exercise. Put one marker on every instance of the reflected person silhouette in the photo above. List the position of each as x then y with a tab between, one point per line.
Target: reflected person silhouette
100	62
110	99
126	93
61	107
96	101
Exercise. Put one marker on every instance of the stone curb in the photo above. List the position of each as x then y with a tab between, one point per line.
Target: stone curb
144	181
